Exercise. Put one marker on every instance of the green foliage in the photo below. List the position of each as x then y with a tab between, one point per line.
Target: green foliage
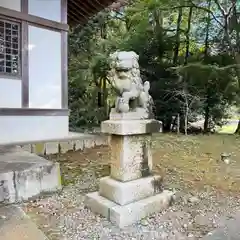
206	47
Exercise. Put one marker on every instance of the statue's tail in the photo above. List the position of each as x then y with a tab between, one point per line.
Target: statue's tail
146	86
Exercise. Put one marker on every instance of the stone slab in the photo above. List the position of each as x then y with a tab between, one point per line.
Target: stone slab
53	146
131	157
124	193
24	175
138	113
123	216
130	127
99	204
16	225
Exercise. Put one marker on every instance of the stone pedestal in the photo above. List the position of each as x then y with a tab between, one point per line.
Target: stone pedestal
131	192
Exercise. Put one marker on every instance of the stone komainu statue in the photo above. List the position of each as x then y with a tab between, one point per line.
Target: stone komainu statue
125	78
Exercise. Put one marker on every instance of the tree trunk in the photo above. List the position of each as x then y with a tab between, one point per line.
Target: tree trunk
178	124
207	108
158	19
178	31
186	119
167	124
207	33
187	35
207	116
185	83
238	128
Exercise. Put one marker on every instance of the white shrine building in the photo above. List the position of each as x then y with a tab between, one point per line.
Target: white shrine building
33	66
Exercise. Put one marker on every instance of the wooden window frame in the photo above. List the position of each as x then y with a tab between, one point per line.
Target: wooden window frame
19	73
27	19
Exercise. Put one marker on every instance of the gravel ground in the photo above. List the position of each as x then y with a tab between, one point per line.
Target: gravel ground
192	215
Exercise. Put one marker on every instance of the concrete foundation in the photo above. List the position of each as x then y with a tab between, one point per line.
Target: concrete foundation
24	175
72	142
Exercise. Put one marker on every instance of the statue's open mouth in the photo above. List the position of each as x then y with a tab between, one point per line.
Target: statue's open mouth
122	69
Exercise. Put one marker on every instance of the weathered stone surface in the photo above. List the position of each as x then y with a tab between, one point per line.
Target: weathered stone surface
99	204
24	175
101	140
7	188
52	148
39	149
125	77
130	157
66	146
126	215
130	127
78	145
17	226
128	192
27	148
89	143
75	141
136	114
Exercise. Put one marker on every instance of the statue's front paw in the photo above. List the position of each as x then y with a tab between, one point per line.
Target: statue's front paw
123	107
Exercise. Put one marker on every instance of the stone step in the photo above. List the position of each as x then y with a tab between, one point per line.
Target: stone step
73	142
126	215
24	175
15	225
124	193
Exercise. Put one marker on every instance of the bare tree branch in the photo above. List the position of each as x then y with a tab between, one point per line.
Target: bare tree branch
207	10
231	8
220	7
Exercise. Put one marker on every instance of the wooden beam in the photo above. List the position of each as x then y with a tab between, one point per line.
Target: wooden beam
25	57
33	19
33	112
64	57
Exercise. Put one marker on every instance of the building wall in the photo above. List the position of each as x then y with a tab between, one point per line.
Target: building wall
40	86
10	93
11	4
16	129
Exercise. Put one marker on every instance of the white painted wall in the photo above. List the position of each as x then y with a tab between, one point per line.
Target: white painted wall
11	4
10	93
49	9
44	68
16	129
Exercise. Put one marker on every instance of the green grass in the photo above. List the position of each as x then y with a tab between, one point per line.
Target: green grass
227	129
191	161
194	161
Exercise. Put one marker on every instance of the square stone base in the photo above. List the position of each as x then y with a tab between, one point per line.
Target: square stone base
131	127
123	216
124	193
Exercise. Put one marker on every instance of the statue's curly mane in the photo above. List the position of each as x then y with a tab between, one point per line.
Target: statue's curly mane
126	80
134	72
